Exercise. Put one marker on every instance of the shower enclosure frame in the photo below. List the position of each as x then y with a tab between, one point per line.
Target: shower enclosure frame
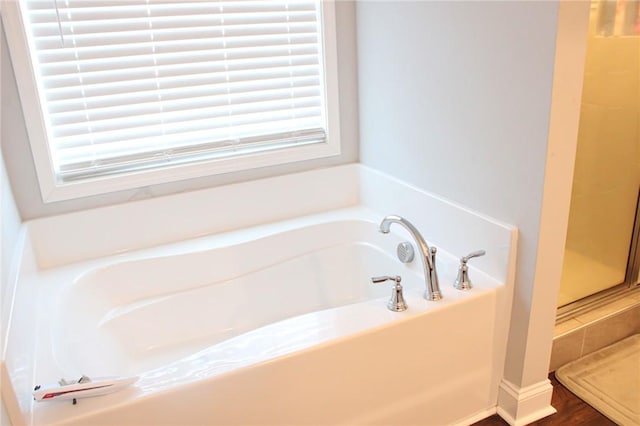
614	27
630	283
632	277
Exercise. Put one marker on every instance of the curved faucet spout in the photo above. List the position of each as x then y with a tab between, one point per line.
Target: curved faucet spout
428	255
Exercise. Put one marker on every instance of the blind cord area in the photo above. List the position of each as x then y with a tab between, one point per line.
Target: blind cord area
55	4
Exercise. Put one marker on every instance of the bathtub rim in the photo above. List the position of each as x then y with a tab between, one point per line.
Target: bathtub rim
358	216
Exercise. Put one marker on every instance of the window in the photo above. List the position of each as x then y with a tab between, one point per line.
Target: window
123	93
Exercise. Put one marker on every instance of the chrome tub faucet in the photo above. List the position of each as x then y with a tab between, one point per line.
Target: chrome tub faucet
428	255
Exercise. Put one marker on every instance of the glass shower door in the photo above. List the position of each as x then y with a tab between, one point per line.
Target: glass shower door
607	169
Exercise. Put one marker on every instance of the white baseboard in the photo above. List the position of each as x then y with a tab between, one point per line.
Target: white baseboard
477	417
521	406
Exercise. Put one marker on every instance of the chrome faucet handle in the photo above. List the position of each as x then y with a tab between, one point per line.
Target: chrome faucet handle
473	254
396	303
462	281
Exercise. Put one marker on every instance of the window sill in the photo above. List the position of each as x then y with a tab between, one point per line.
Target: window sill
52	191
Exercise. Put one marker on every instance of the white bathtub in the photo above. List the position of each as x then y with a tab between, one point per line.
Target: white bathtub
232	314
273	325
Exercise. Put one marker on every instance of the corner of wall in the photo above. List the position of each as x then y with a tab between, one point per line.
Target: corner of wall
10	237
10	229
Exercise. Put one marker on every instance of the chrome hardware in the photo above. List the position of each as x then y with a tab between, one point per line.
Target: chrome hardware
462	280
396	303
433	272
405	252
428	257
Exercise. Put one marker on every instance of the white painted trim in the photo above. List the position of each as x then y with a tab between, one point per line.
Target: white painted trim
193	170
51	190
573	20
521	406
29	98
477	417
330	70
534	311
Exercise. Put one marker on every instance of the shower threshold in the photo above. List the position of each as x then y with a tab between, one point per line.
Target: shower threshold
623	296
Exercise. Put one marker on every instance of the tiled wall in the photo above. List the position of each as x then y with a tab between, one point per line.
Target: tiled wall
596	329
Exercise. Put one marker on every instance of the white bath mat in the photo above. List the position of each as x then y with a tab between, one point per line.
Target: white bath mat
608	380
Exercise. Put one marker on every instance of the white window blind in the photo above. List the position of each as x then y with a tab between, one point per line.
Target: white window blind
131	85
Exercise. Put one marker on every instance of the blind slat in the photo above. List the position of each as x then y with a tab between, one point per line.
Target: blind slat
172	45
99	141
124	38
191	88
182	111
92	85
222	98
231	57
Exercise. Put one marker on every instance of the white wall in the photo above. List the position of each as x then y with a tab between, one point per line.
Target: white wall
9	237
20	169
455	98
